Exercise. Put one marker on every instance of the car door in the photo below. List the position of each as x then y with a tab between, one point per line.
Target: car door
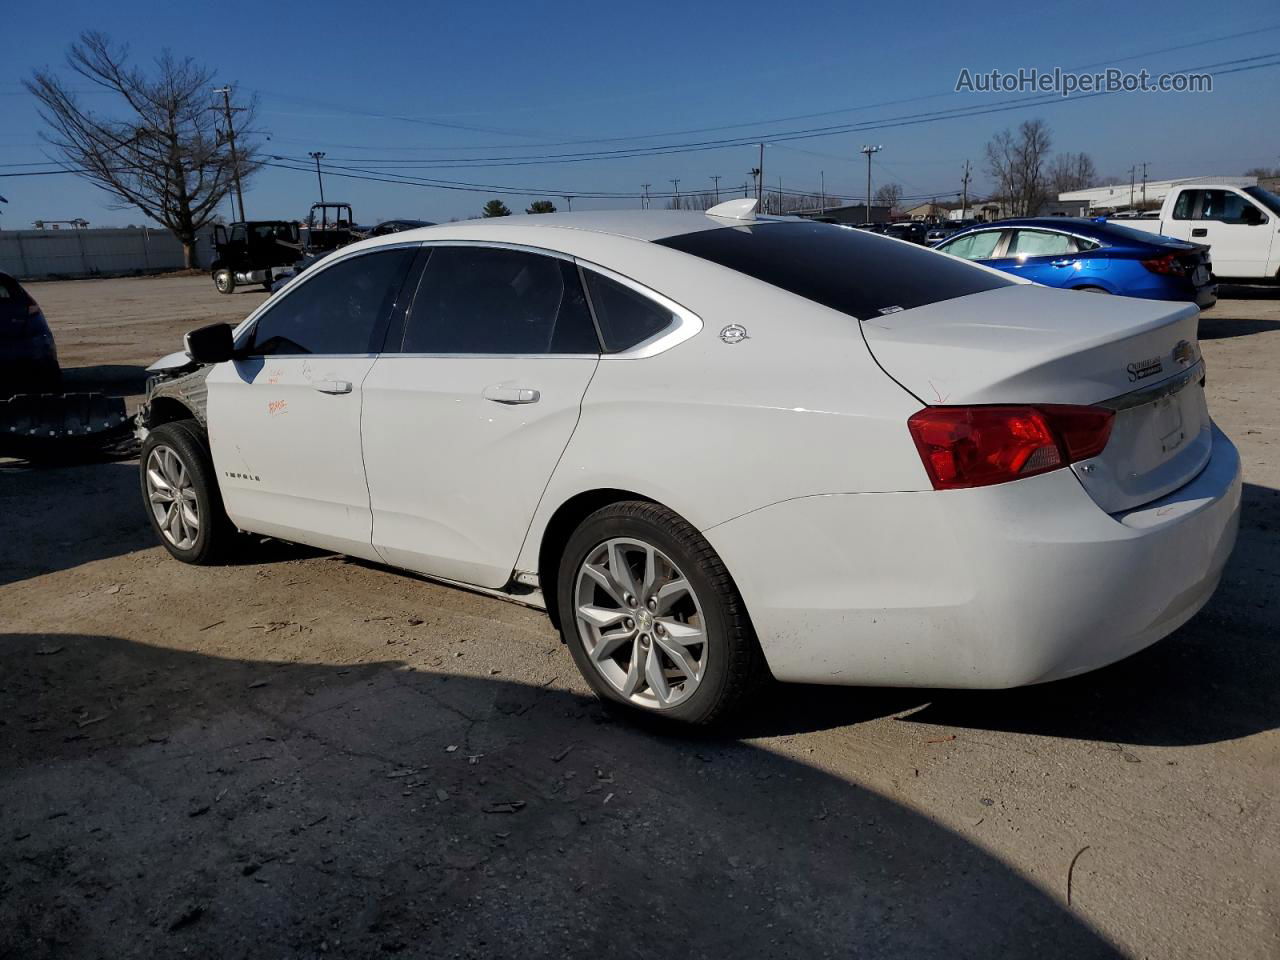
1237	231
284	416
1044	256
470	406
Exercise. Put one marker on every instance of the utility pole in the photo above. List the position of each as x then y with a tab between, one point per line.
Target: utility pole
716	180
227	111
869	151
964	192
568	200
676	183
1132	173
760	177
754	173
317	156
1144	185
644	201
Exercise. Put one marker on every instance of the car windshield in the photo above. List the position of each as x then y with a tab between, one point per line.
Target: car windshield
1265	197
848	270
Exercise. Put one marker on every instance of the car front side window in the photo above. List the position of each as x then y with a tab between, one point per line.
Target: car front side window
498	301
342	310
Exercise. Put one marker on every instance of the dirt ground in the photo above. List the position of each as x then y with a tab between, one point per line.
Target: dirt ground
305	756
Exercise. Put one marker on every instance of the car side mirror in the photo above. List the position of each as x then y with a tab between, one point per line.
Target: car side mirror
211	344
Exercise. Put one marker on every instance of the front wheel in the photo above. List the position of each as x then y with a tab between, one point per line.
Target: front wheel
224	280
180	492
652	617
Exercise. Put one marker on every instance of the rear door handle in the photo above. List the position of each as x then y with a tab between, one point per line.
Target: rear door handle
331	386
1200	232
502	394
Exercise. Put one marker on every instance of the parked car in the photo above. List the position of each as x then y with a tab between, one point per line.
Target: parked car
398	226
1087	255
715	448
253	252
912	230
939	232
1239	224
28	355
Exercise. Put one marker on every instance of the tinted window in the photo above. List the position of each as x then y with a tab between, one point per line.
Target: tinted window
626	317
848	270
973	246
1039	243
492	301
1225	205
1184	205
342	309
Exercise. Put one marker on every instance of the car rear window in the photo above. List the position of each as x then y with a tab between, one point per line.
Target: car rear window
848	270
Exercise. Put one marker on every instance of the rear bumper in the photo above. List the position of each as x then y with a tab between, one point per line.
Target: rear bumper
994	587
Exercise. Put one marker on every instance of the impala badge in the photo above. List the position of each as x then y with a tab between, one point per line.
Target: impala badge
734	333
1184	353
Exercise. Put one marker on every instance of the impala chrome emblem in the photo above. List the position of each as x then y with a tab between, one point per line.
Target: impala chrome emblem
1184	353
1144	368
734	333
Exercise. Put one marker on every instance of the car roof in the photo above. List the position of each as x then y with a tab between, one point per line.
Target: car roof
633	224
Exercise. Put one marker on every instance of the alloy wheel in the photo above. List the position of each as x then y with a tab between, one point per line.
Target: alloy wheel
641	623
172	497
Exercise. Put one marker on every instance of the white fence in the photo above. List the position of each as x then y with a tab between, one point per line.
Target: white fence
108	252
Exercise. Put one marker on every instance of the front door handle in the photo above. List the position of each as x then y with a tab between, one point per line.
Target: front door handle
1062	263
331	386
1199	232
503	394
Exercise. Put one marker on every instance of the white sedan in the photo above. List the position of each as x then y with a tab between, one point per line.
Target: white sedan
716	448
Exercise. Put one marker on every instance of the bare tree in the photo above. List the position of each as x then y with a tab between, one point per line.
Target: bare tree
1071	171
1017	164
889	195
167	155
1263	173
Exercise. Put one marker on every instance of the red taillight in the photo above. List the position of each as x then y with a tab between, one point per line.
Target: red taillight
1169	265
978	446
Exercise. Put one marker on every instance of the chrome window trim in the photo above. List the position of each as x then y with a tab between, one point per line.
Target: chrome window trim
686	324
1157	391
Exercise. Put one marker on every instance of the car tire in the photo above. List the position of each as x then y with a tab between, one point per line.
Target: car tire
180	494
224	280
699	682
1093	290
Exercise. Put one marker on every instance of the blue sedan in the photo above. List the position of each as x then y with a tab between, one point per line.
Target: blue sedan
1090	255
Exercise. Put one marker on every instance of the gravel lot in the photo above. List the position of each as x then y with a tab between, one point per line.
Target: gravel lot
302	755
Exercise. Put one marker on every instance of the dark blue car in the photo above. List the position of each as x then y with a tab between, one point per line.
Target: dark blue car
28	357
1089	255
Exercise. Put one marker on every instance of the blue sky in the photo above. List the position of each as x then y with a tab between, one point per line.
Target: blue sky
375	82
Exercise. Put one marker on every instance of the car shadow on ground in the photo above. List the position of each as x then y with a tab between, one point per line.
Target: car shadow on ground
1243	291
1223	328
159	801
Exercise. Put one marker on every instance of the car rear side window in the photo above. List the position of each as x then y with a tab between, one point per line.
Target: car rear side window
974	246
847	270
341	310
488	300
1039	243
626	317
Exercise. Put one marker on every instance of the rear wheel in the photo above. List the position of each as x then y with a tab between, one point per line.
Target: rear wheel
1093	290
652	617
181	494
224	280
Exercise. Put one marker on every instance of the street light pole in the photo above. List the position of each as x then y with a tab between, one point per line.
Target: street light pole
317	156
869	151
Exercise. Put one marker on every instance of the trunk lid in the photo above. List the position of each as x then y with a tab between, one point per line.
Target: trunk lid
1028	344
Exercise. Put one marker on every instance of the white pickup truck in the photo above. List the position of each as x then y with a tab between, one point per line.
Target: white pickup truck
1241	225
